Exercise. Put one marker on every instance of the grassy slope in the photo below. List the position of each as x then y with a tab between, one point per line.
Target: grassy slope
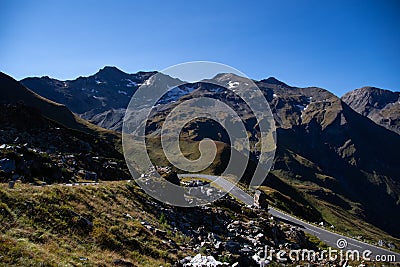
38	227
188	147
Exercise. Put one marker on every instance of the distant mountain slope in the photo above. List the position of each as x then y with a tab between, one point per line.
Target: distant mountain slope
343	164
100	98
14	92
108	88
381	106
44	141
350	160
109	119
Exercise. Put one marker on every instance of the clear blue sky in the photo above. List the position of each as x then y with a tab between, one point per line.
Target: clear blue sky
337	45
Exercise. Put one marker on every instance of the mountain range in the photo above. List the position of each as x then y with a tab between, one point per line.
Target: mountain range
336	160
103	97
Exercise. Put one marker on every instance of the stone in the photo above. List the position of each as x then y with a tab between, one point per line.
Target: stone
200	260
260	200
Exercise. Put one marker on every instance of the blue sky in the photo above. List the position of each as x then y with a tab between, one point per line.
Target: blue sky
337	45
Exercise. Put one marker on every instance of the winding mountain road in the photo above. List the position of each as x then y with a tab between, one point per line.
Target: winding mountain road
330	238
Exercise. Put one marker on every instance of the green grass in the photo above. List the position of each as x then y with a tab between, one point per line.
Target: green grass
38	228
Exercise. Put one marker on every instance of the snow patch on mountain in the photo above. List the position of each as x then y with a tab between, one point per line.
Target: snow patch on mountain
99	97
130	83
147	82
232	84
174	94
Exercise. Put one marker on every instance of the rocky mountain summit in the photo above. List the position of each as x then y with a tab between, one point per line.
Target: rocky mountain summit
101	98
381	106
108	88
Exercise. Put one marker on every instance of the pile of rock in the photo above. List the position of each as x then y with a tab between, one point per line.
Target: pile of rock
201	261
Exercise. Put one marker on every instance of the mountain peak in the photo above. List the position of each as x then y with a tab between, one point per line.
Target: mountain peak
372	94
273	80
370	90
380	105
110	70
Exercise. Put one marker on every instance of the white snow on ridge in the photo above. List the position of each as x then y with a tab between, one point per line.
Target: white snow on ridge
232	85
130	83
175	93
122	92
147	82
98	82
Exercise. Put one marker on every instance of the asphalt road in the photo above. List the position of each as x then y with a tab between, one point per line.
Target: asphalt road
328	237
331	238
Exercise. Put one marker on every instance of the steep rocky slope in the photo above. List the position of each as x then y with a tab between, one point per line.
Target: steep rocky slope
381	106
336	156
